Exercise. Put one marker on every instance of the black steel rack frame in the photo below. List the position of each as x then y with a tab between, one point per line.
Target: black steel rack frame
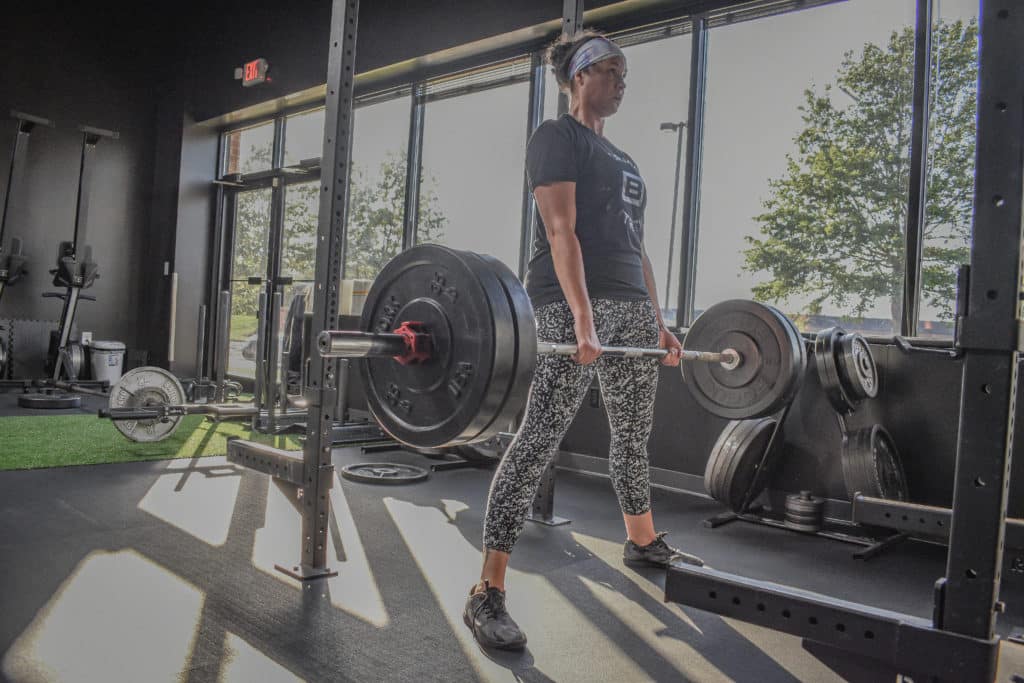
959	642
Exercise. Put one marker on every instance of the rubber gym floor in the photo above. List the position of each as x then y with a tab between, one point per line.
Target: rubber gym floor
163	571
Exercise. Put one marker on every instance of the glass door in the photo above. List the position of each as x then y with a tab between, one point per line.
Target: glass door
251	234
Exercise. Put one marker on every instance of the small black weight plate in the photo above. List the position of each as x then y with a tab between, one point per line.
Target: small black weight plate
826	352
857	371
384	473
451	398
772	359
432	453
521	361
478	453
50	401
872	465
735	457
804	512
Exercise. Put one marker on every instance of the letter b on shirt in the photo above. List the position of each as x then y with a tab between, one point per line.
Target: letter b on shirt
632	189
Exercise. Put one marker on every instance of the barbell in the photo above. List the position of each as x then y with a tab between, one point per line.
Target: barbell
447	348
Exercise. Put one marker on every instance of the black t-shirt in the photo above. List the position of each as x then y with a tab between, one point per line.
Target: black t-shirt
610	201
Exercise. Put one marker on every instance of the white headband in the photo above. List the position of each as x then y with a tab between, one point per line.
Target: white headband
594	50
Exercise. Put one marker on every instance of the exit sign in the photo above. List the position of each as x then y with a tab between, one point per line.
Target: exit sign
253	73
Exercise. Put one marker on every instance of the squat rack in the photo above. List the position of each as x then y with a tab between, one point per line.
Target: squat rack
959	641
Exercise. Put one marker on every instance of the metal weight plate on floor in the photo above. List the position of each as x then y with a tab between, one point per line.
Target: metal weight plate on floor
826	348
857	371
146	387
772	359
384	473
50	399
456	396
872	465
735	457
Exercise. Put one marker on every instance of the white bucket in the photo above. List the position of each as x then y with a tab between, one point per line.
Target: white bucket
107	360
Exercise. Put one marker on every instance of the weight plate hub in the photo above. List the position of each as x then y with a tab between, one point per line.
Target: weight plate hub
147	387
479	358
772	359
872	465
857	370
384	473
735	460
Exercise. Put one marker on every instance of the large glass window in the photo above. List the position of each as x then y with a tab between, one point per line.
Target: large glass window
806	161
252	226
474	151
304	136
657	93
377	191
249	150
951	139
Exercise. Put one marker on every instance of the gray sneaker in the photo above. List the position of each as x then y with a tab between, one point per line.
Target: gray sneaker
657	553
487	618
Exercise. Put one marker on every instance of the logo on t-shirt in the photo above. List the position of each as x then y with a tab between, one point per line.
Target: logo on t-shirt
632	189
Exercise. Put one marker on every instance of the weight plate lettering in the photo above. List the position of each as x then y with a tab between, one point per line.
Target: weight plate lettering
872	465
147	387
772	359
384	473
735	459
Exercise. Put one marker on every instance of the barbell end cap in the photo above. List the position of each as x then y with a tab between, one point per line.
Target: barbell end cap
323	343
735	361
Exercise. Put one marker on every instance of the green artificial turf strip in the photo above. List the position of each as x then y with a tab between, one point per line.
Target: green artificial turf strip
28	442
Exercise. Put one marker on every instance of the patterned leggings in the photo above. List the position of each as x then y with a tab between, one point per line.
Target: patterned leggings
628	386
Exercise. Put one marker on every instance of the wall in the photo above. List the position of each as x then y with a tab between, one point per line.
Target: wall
75	68
293	37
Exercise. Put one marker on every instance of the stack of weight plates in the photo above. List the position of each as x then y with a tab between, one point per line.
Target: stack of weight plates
848	375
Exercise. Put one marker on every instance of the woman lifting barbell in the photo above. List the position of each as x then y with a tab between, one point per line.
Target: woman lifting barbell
591	283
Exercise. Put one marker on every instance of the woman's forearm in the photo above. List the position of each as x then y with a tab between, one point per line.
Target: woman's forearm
568	261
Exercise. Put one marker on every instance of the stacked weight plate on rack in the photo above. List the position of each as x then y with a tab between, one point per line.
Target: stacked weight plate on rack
848	374
735	471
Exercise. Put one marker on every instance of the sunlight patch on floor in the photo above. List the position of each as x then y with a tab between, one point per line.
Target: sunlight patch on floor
117	617
354	590
197	498
562	641
243	663
647	627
